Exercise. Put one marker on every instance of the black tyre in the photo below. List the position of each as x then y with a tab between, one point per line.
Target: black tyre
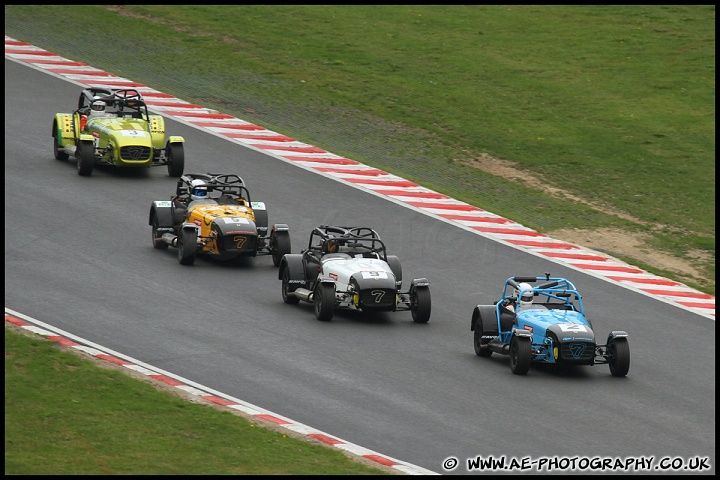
86	158
618	356
175	153
287	288
187	246
59	153
280	246
479	342
324	301
159	244
420	304
520	355
394	264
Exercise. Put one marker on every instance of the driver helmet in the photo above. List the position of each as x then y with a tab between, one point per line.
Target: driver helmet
527	294
198	189
332	246
97	107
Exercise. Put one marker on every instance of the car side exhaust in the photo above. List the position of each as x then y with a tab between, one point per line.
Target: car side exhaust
170	239
303	294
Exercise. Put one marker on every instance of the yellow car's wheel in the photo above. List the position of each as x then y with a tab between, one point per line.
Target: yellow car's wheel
59	152
86	158
176	159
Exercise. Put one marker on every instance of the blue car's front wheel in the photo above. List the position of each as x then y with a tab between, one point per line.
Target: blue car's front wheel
618	356
520	355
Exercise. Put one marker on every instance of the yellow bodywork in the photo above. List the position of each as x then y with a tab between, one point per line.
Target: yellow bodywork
204	215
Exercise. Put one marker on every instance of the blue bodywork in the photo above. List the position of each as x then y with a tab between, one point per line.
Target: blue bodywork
552	328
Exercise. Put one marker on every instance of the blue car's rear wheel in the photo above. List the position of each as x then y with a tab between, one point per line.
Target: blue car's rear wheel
481	344
520	355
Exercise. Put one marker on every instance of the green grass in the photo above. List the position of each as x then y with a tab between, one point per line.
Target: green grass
65	415
614	104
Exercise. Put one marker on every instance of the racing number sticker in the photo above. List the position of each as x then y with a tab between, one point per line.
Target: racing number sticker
236	220
133	133
378	295
572	327
239	241
375	274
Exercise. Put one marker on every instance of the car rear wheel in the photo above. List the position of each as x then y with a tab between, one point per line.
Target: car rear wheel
480	343
324	301
287	289
394	264
59	152
159	244
420	305
618	356
520	355
175	153
280	246
187	246
86	158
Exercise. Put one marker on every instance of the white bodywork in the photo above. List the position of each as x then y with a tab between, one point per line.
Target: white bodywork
340	267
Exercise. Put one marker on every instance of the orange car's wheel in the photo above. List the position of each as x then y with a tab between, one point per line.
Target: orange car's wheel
187	246
159	244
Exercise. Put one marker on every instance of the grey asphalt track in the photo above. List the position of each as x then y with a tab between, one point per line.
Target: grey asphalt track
78	256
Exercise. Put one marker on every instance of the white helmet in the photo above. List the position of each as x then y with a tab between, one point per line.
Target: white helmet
527	294
97	107
198	189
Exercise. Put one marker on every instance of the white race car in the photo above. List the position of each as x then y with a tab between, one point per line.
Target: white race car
349	268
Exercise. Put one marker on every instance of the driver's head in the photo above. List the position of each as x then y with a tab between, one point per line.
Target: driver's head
332	245
97	107
526	294
199	190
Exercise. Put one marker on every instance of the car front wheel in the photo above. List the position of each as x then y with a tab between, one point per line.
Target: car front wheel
420	305
520	355
280	246
86	158
324	301
176	159
187	246
618	356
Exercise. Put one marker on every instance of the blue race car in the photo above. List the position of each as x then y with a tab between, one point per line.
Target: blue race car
544	324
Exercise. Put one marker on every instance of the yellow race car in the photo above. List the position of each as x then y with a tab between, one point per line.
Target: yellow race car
212	215
113	127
